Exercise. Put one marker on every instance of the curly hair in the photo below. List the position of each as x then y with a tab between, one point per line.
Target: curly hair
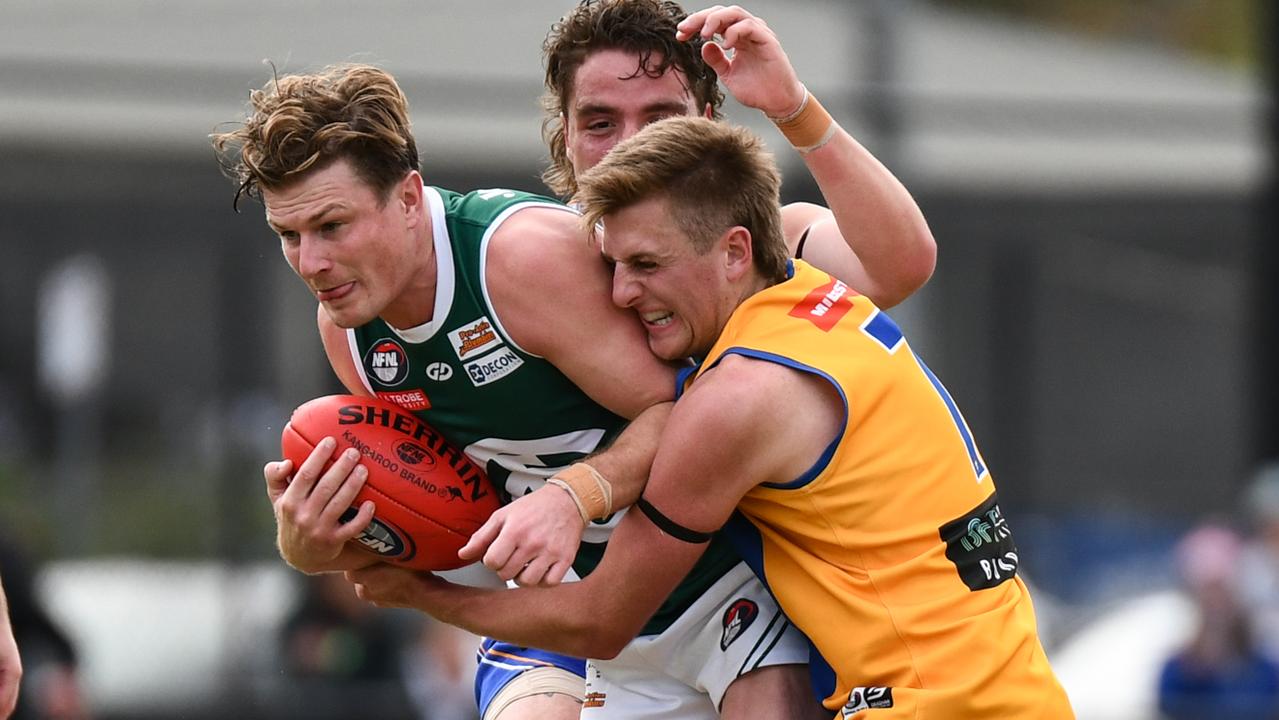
301	123
644	27
713	176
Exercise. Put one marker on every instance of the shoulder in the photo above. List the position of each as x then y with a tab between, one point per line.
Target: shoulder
740	388
777	416
542	248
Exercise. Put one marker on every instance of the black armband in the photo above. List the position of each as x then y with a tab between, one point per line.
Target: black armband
669	526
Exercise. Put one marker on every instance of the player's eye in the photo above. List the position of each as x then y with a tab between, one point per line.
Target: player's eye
330	226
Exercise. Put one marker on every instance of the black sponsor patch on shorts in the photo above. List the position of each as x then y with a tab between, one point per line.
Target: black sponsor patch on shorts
981	546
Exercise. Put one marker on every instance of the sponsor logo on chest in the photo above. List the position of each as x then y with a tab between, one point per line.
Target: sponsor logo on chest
413	399
474	339
824	306
494	366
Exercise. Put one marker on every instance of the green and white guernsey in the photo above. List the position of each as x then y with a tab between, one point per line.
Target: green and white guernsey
513	413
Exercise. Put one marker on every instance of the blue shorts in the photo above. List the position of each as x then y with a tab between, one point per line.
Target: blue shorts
500	663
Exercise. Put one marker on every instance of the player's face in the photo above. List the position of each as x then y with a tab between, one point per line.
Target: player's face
679	295
360	258
610	103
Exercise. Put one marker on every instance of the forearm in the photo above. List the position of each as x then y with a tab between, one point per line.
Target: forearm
595	617
876	215
561	619
628	460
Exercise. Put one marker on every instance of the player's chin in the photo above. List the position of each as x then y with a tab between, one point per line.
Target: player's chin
668	346
668	351
347	317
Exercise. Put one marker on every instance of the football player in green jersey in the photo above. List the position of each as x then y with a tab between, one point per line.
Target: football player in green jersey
533	539
613	66
405	271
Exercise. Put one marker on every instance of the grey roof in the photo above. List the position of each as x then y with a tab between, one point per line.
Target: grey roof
980	100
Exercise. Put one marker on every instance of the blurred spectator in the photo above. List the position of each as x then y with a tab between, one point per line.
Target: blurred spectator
440	672
1259	564
1221	673
343	657
10	662
50	683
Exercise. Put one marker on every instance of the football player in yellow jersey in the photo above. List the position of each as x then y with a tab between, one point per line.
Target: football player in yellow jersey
861	496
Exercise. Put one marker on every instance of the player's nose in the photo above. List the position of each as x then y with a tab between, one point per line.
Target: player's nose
626	290
313	259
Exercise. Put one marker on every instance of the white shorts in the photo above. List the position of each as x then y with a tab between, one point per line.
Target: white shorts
733	628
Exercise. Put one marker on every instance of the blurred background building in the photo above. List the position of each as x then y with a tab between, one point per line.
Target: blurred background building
1098	175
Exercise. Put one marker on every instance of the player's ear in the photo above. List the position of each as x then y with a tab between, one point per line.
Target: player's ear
409	194
738	254
708	112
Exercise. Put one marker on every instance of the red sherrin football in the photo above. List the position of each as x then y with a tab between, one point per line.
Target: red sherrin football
429	496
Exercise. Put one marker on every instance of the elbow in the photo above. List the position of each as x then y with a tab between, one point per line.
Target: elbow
914	271
924	265
605	644
604	634
923	260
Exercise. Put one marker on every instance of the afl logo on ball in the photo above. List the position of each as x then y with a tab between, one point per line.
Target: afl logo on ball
414	454
387	362
382	538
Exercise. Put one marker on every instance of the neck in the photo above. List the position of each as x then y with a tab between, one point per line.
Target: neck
415	305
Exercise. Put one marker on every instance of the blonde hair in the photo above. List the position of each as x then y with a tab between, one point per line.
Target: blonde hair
301	123
713	176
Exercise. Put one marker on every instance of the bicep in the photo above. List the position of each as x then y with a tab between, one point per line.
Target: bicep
742	423
554	295
708	457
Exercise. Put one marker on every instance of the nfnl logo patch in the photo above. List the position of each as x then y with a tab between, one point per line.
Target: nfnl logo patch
387	362
737	618
474	339
868	698
825	306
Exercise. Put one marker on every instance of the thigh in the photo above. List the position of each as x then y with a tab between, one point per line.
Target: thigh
732	631
629	688
517	682
548	693
788	689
